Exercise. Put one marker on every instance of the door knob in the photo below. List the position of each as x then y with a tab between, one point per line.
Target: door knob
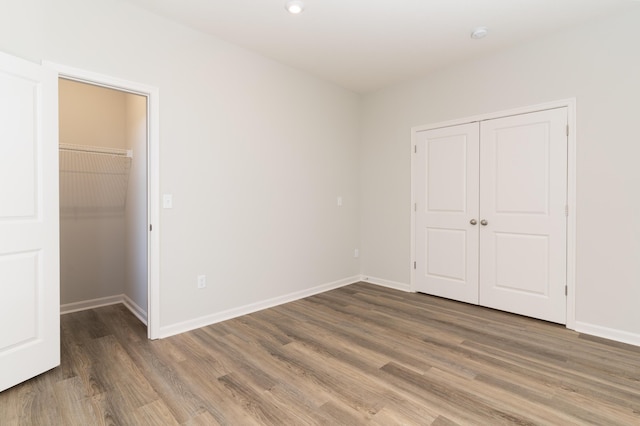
473	221
484	222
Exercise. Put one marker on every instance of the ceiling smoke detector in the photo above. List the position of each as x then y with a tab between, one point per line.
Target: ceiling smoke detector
294	6
480	32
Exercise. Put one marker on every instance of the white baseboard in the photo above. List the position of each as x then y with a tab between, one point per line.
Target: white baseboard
608	333
386	283
136	310
85	305
91	304
206	320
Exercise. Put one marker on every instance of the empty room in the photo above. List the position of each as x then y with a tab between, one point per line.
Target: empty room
318	212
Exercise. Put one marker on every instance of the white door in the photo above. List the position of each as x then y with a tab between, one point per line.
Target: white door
523	177
446	196
29	243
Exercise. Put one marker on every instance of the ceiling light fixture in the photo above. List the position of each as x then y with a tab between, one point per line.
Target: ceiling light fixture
480	32
294	6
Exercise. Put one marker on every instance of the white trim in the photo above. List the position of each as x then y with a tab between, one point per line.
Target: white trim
134	308
570	104
571	218
412	209
153	209
608	333
386	283
206	320
153	177
84	305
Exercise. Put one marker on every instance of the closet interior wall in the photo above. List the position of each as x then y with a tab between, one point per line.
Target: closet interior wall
103	251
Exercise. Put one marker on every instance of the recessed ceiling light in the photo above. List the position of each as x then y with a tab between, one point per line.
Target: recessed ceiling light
479	32
294	6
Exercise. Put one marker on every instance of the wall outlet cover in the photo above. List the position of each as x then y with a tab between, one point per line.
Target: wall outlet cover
202	281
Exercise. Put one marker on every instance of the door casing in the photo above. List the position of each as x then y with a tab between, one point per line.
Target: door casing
153	176
570	104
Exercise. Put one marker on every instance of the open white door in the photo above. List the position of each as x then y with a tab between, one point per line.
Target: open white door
29	221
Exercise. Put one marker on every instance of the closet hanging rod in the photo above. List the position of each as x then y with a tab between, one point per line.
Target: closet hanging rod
96	150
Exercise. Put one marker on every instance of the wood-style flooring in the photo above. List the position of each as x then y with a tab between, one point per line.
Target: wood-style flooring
361	354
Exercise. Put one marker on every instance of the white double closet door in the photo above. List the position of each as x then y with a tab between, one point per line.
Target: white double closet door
491	213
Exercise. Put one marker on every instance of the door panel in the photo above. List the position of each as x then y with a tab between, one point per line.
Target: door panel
446	179
523	178
17	159
521	169
29	244
446	254
21	308
526	274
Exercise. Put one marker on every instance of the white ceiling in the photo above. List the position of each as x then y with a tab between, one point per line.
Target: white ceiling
364	45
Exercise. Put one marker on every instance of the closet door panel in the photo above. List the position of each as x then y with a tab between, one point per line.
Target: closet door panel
523	181
446	195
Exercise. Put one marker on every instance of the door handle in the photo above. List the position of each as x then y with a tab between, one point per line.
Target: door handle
473	221
484	222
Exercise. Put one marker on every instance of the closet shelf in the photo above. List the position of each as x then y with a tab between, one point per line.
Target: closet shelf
93	180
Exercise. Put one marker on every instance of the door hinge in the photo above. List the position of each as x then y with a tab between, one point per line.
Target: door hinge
414	264
566	210
415	149
566	290
415	207
567	130
150	227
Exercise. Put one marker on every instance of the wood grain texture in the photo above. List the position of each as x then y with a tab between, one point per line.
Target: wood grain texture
361	354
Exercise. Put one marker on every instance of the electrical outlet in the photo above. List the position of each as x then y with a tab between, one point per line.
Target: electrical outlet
356	253
202	281
339	201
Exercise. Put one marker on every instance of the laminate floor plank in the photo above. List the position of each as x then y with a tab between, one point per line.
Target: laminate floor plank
365	336
315	334
154	413
158	361
342	414
215	399
562	380
73	404
365	321
266	358
361	354
202	419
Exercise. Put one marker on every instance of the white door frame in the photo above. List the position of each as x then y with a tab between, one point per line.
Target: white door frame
153	176
570	104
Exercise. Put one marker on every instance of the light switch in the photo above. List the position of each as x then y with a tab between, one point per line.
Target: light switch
167	201
339	201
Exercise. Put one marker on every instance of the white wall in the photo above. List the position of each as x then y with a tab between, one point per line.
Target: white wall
135	222
254	153
92	242
597	64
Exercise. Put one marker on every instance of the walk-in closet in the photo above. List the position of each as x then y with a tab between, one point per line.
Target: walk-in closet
103	198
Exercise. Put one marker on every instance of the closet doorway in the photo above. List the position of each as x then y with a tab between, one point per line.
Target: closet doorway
110	186
103	197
